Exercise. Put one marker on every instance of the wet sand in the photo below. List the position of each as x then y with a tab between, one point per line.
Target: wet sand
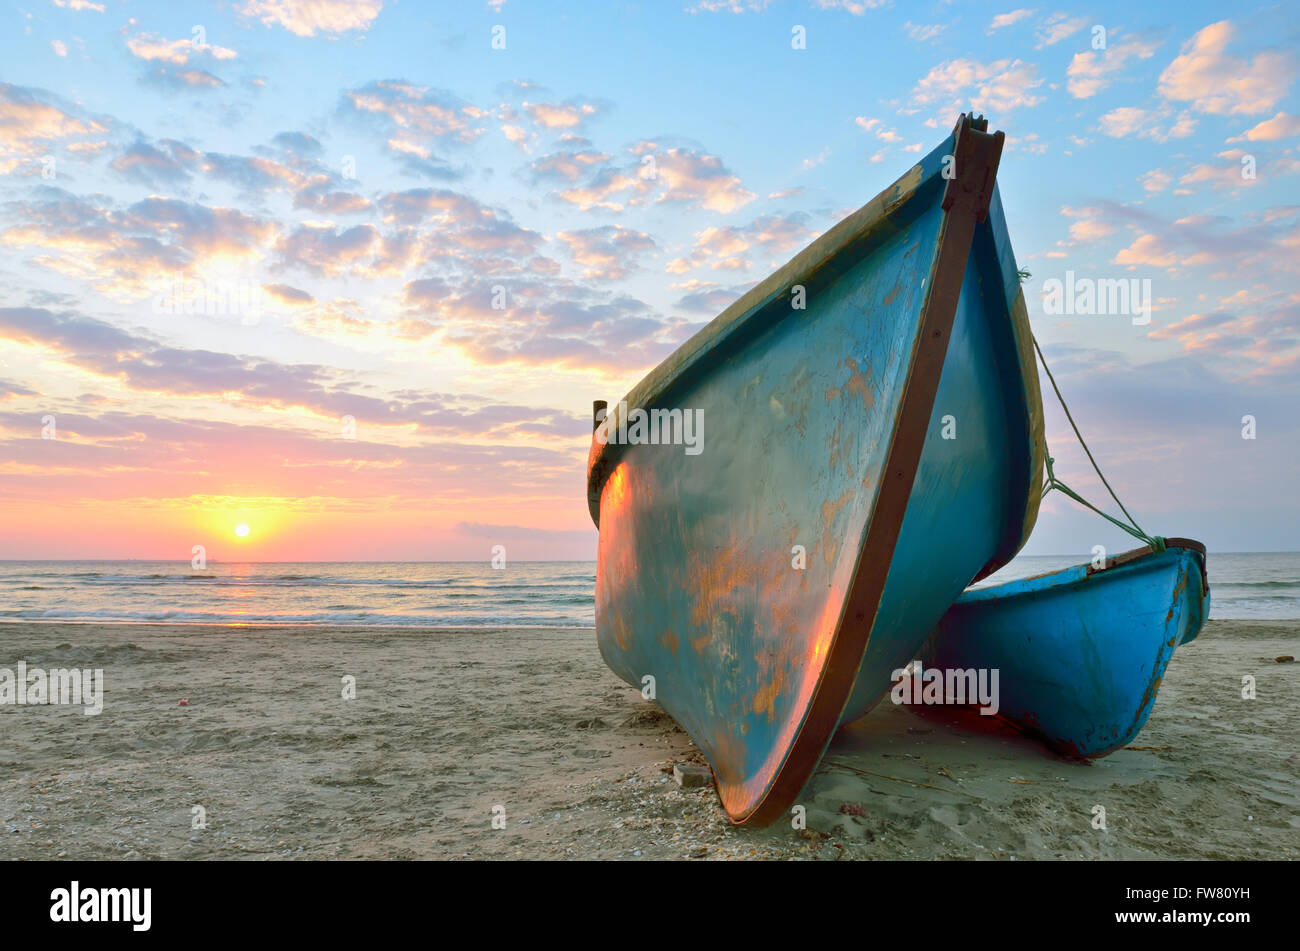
448	725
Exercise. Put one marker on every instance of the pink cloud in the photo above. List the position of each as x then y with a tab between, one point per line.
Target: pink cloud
1215	81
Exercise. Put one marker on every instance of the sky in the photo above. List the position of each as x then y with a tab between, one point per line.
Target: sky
351	273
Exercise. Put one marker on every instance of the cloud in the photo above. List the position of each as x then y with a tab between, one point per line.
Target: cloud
725	247
1253	336
414	118
567	166
174	79
1208	245
675	175
999	86
1148	250
1219	83
438	205
325	249
153	48
568	115
33	121
505	533
331	202
1281	126
700	180
10	390
309	17
125	253
1178	416
423	227
1007	19
60	48
875	125
297	143
710	299
539	321
1057	27
856	7
608	253
814	160
453	448
254	174
1129	121
1238	170
923	33
144	364
1092	71
288	295
1124	121
728	6
147	365
1155	180
1088	225
167	162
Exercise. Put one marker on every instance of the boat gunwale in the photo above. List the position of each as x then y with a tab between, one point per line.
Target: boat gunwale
1045	581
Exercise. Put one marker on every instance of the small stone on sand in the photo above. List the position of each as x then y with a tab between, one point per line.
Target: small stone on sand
691	775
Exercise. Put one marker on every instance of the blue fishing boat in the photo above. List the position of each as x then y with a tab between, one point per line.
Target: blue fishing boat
873	444
1080	653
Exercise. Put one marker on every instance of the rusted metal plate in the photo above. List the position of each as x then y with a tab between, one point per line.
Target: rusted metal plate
745	583
1080	653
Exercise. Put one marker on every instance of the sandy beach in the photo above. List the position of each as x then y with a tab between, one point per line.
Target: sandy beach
448	725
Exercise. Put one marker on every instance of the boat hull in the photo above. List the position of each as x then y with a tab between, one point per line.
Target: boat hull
972	480
742	586
1080	653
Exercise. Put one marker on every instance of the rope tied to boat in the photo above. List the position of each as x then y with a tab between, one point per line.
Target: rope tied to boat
1156	542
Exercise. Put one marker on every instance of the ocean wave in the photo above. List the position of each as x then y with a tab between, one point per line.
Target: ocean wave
283	581
1254	585
333	618
1255	609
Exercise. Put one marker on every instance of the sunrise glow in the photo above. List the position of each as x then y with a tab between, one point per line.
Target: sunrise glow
364	302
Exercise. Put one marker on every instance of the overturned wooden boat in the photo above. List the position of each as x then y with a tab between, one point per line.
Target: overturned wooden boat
874	443
1080	653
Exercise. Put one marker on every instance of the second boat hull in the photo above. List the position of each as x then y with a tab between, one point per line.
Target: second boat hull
1080	653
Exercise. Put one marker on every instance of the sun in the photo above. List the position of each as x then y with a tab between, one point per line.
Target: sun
241	530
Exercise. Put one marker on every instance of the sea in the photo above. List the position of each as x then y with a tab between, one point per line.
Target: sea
1261	585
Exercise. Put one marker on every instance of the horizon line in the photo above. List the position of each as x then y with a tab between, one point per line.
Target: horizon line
463	561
